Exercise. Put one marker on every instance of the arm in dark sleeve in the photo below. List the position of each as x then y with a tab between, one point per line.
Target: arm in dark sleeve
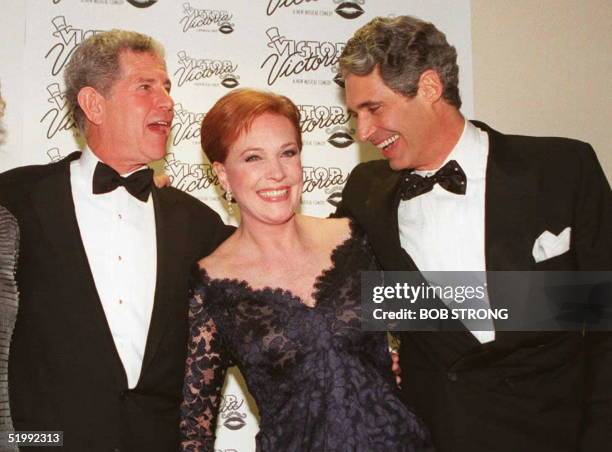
592	238
348	192
205	370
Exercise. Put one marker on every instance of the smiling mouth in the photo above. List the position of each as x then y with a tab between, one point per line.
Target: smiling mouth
384	145
349	10
160	126
277	194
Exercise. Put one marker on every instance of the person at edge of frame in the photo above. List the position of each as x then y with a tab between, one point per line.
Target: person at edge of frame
457	195
99	345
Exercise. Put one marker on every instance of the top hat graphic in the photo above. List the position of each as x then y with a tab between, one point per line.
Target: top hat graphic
59	22
274	37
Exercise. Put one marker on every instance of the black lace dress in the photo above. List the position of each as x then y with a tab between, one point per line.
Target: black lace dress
320	383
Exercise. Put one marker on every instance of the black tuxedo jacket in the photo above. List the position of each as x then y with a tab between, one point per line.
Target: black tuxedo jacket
524	391
64	370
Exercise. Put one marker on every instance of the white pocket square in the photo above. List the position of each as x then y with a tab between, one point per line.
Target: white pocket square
549	245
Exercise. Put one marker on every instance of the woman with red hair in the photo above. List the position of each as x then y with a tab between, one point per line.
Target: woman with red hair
280	299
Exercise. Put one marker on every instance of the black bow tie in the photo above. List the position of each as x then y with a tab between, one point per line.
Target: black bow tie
138	184
450	177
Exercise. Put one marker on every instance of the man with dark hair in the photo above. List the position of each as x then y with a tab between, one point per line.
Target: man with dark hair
455	195
99	345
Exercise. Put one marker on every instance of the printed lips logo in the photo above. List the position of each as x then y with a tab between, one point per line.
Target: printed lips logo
59	117
331	119
196	71
142	3
69	38
339	80
186	125
230	412
189	177
292	57
206	20
349	10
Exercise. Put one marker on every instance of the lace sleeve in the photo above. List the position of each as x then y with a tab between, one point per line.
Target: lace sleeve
205	370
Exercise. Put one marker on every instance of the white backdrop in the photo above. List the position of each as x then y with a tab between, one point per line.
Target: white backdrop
287	46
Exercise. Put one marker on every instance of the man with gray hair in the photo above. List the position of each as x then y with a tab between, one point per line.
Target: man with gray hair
456	195
99	345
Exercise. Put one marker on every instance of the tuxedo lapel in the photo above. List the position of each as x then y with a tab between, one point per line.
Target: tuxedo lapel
169	222
383	232
54	207
510	207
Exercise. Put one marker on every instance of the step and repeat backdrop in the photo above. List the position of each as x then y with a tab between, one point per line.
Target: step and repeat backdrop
212	46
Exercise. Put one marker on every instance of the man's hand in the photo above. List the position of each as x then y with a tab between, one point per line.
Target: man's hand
161	181
395	368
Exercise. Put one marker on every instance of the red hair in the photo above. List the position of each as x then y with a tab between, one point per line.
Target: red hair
235	112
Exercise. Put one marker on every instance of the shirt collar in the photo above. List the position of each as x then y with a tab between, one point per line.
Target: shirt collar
88	162
470	152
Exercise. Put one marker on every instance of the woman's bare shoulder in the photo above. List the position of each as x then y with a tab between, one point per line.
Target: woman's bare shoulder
330	231
219	263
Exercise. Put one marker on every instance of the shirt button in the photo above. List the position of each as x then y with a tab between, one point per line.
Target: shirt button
122	395
452	376
120	301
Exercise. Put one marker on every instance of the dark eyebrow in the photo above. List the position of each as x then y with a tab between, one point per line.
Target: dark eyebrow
367	104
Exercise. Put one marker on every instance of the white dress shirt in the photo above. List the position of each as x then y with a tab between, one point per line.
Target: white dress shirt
118	233
444	231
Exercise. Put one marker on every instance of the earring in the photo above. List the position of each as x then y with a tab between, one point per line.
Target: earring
229	199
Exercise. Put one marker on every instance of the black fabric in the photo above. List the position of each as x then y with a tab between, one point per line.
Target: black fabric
9	248
138	184
64	370
533	392
450	177
320	382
